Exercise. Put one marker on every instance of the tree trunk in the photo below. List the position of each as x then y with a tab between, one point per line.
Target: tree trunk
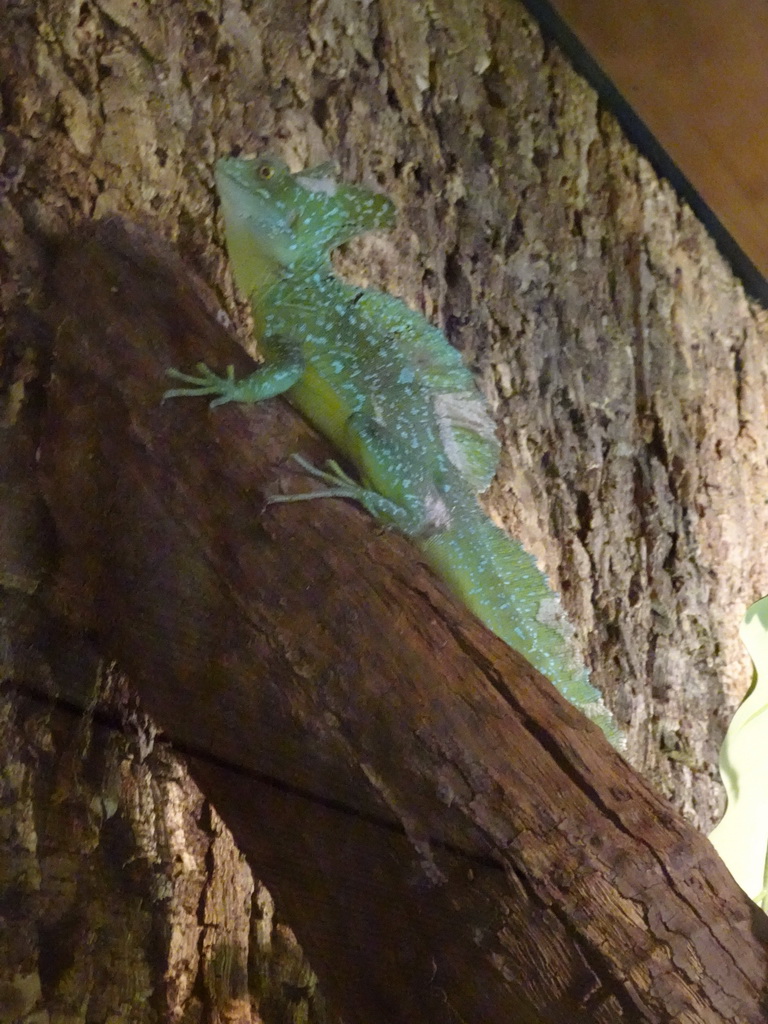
624	363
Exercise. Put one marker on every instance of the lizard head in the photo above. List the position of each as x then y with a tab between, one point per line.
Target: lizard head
257	222
275	219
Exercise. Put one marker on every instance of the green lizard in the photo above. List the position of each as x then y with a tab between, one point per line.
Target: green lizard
390	392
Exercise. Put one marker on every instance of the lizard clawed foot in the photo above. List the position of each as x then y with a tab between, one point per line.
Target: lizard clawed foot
205	383
341	484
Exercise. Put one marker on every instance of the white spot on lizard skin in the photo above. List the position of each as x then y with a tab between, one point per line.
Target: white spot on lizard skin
327	186
551	613
378	414
467	411
438	515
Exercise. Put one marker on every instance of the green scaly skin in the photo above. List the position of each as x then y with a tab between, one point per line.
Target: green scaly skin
390	392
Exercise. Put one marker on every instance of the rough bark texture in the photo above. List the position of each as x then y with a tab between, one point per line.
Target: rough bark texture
124	896
626	367
316	675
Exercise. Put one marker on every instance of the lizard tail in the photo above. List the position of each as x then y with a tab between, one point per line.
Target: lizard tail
501	583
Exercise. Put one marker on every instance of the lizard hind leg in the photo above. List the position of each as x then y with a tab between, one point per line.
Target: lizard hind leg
341	485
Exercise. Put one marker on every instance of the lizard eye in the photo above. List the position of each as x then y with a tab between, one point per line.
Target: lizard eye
266	172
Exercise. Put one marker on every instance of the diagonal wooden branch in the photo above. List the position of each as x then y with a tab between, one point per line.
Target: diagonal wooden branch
449	839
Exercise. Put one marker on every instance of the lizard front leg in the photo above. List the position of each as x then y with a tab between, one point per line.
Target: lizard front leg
285	368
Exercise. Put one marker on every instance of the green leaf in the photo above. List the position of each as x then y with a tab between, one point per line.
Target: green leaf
741	838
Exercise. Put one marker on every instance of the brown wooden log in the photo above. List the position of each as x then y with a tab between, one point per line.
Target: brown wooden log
449	839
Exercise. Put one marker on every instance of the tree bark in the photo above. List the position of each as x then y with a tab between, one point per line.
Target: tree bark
450	838
626	368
